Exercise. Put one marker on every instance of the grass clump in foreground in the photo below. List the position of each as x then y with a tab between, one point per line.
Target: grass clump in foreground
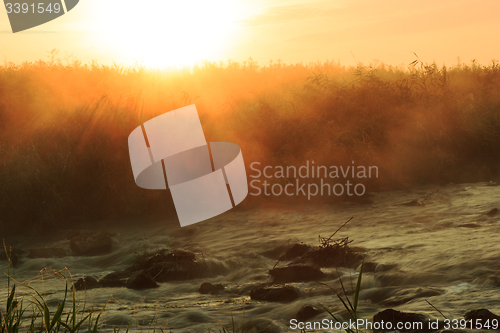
37	316
30	313
40	318
350	306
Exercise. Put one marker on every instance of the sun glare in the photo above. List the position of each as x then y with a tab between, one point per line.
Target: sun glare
169	33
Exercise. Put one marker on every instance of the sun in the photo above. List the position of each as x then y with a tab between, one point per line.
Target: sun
169	33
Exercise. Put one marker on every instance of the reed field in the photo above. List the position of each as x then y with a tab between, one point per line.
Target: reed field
64	127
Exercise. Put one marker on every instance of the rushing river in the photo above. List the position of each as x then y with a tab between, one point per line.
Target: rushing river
445	247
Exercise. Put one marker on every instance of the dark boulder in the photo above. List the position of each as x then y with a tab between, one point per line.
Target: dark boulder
286	252
170	266
141	280
296	273
276	252
307	312
394	317
90	244
274	294
85	283
331	256
294	251
492	212
482	314
208	288
115	279
47	253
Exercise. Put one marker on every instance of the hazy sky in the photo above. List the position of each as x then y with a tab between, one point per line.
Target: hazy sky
164	32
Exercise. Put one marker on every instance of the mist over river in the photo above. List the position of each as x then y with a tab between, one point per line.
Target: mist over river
436	243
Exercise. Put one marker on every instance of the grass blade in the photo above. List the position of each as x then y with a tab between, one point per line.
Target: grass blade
358	288
46	315
57	315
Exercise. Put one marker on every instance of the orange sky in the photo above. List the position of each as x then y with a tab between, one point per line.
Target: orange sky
166	33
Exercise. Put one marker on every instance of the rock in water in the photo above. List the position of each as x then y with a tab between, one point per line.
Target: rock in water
482	314
92	244
492	212
208	288
170	266
296	273
307	312
85	283
394	317
331	256
141	280
115	279
295	251
274	294
286	252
